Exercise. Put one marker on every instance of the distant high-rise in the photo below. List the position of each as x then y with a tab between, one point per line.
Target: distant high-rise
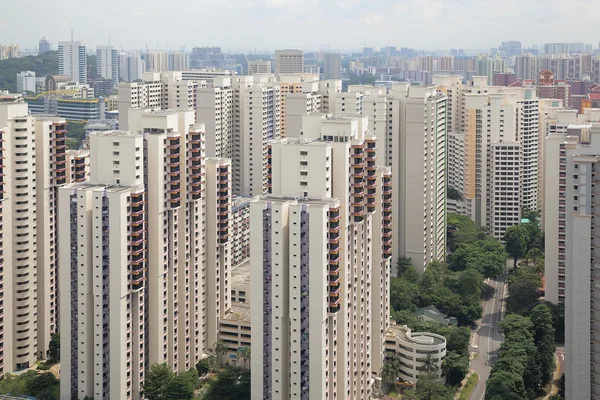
9	51
107	63
44	46
510	48
259	67
26	82
157	61
289	61
131	67
72	60
332	66
179	61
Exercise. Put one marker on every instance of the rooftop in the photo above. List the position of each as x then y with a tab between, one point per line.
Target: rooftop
240	275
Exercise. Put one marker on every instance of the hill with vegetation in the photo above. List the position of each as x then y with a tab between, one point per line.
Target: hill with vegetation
42	65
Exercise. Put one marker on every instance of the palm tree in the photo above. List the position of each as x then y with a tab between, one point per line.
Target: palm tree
429	365
244	354
389	372
221	348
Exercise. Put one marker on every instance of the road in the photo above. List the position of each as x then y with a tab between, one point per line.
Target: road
486	341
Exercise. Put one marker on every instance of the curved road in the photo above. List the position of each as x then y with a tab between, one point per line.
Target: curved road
486	341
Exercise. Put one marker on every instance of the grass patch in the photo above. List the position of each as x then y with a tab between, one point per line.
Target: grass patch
465	393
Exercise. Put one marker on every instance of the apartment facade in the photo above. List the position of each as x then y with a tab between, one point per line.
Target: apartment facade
309	232
107	61
563	128
581	260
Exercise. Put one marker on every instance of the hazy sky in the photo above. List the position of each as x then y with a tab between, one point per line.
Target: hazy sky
242	25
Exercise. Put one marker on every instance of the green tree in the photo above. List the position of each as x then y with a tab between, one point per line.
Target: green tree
515	240
505	385
453	194
43	64
243	353
455	368
156	384
403	294
54	348
429	366
403	264
231	383
523	286
543	336
182	386
462	229
486	256
430	387
221	349
203	367
389	372
71	144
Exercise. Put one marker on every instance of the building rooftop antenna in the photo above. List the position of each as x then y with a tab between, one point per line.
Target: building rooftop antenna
71	34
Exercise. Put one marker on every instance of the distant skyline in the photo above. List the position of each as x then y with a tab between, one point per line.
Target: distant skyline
336	25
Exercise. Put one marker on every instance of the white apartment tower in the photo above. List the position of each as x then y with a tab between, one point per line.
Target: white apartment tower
565	128
169	299
258	113
410	123
318	321
157	61
103	273
72	60
107	63
216	110
289	61
131	67
33	166
219	246
577	220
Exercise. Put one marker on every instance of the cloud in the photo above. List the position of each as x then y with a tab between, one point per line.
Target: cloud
138	13
274	3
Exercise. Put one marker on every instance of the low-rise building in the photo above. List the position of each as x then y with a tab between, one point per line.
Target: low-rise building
412	348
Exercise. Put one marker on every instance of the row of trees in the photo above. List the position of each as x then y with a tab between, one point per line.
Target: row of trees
42	386
218	381
526	357
457	294
525	240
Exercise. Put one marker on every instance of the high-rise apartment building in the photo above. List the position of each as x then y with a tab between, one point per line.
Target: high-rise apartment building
410	122
561	127
33	166
490	123
107	63
157	91
72	60
156	61
571	221
320	265
179	61
9	51
103	273
44	46
216	110
131	67
259	67
289	61
242	114
332	66
159	300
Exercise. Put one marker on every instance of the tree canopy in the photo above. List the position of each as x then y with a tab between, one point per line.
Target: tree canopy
161	383
43	64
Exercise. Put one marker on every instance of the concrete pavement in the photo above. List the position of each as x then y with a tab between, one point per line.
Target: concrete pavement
487	339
